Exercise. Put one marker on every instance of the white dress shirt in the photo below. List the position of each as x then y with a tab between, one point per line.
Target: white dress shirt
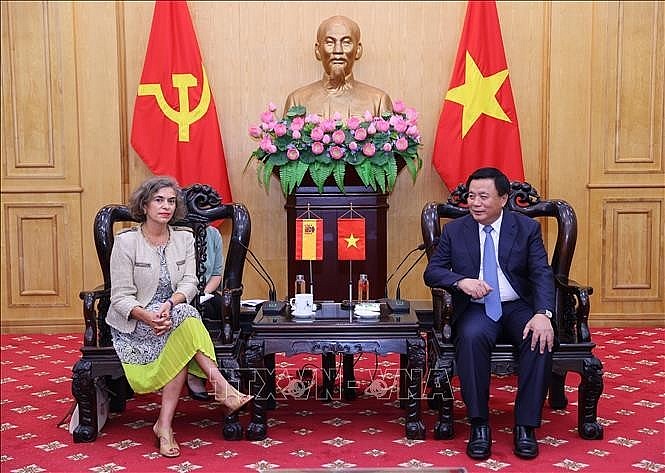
505	289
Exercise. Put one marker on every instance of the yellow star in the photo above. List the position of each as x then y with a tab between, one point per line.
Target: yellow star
478	95
351	241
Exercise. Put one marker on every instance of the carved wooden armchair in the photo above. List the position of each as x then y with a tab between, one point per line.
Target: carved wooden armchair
570	318
99	365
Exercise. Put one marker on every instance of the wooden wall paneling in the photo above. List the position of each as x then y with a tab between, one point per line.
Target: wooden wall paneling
41	262
630	254
39	98
570	82
587	79
41	238
101	111
628	66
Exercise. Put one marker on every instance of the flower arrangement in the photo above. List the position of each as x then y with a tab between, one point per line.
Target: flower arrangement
301	143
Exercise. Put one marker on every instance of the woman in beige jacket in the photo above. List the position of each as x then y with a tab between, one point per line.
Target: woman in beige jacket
158	336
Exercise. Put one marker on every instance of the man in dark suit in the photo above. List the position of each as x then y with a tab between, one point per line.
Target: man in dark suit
494	263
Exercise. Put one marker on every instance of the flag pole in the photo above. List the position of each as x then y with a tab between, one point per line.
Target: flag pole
311	279
350	284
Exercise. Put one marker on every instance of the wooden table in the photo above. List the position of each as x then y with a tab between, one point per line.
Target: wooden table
333	330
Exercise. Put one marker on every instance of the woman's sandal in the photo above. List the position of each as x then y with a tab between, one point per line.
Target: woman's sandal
232	404
166	443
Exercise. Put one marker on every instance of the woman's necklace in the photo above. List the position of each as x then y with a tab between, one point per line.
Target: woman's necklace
160	240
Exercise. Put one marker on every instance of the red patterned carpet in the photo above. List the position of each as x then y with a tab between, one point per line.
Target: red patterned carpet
366	433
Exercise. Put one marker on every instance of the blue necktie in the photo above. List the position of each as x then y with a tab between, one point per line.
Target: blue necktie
493	299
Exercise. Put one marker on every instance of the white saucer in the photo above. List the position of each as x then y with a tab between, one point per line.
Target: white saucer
305	315
366	314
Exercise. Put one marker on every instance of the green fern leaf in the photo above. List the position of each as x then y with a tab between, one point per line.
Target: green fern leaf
364	172
412	166
380	178
319	173
391	172
338	173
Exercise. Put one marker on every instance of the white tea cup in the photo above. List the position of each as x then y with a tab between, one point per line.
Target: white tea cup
302	304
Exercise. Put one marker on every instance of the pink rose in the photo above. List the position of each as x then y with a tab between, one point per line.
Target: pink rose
337	116
401	144
369	149
367	116
272	149
353	123
398	106
413	131
317	147
312	118
266	116
317	133
266	143
399	124
272	107
280	129
268	126
371	129
387	147
353	146
412	116
297	124
360	134
296	134
292	154
338	137
382	125
326	139
255	131
328	125
336	152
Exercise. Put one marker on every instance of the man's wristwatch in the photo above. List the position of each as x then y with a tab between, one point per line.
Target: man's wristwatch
547	313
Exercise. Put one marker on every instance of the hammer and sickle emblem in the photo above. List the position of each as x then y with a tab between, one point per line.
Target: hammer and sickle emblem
183	117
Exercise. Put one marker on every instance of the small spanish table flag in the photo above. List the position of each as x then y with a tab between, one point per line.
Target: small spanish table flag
350	238
309	239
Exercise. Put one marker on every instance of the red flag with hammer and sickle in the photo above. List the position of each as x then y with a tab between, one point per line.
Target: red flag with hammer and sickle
175	129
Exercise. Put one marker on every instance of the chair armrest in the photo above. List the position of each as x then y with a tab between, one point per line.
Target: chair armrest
90	313
576	306
442	309
231	312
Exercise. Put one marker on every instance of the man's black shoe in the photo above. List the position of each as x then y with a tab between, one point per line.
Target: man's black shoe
480	442
525	442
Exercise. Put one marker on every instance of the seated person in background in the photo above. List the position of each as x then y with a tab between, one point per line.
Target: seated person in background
338	47
157	335
511	293
212	308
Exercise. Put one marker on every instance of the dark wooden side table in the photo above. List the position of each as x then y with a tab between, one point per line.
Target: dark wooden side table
334	330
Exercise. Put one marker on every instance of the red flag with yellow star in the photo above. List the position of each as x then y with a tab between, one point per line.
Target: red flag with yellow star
478	124
350	238
175	129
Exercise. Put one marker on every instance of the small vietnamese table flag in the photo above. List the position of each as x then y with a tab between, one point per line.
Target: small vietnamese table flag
175	129
309	239
350	238
478	124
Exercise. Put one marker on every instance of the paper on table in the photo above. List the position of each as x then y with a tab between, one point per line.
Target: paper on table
252	302
368	307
